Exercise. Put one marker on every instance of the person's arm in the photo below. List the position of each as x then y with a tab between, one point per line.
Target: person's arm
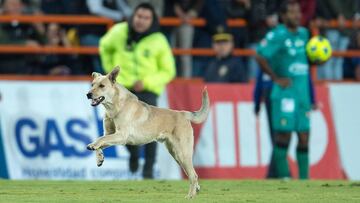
166	67
96	7
107	49
198	5
265	52
264	65
258	90
124	7
312	92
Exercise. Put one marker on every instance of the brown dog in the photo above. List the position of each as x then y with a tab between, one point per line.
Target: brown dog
130	121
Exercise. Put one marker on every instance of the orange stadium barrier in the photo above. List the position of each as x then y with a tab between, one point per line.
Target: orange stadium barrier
84	19
18	49
62	19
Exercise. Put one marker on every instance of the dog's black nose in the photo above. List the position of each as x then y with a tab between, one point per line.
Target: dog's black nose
89	95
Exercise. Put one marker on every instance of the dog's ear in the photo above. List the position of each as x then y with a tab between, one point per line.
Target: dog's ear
95	74
114	73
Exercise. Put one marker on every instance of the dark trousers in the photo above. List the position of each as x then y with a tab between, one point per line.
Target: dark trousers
271	173
150	149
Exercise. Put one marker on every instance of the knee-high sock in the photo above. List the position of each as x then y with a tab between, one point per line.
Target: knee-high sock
280	158
302	157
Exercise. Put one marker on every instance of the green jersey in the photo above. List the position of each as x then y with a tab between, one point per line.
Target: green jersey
285	53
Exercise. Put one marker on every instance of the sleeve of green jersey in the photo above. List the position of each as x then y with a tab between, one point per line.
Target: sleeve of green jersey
269	46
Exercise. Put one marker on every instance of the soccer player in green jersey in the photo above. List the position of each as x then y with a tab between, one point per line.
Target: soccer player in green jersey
281	54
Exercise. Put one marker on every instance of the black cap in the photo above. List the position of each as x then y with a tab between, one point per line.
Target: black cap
222	34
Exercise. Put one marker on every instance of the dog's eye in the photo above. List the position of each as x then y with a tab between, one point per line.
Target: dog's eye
101	85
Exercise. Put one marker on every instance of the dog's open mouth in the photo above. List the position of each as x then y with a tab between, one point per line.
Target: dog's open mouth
97	101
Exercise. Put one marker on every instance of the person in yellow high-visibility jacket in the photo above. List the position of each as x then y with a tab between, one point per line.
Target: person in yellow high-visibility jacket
146	66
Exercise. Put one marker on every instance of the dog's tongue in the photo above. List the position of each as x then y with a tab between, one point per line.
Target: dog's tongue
97	101
94	102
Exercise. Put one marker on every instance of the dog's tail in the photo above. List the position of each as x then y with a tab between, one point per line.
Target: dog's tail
200	115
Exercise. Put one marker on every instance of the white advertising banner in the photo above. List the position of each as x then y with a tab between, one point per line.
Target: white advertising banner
345	99
46	127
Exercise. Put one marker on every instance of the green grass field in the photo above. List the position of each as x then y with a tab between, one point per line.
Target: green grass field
175	191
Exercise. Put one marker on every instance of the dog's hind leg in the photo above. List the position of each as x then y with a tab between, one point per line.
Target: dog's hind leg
182	151
187	165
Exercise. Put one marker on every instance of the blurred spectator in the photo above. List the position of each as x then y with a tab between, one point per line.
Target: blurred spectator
54	6
147	65
341	10
308	8
117	10
264	15
352	65
215	17
262	92
158	5
357	69
290	73
56	64
183	36
89	35
21	34
238	9
225	67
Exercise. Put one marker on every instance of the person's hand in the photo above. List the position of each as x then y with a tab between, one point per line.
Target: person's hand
319	22
246	3
341	20
189	16
39	26
179	12
60	70
356	21
317	63
257	111
65	41
272	20
283	82
316	106
32	43
138	86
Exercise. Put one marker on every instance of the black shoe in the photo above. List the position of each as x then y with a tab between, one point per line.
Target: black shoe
148	174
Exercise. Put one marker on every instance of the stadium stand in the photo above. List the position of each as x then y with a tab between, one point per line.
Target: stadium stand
44	12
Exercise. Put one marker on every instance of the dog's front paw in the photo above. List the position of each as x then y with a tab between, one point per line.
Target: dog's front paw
90	147
99	157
